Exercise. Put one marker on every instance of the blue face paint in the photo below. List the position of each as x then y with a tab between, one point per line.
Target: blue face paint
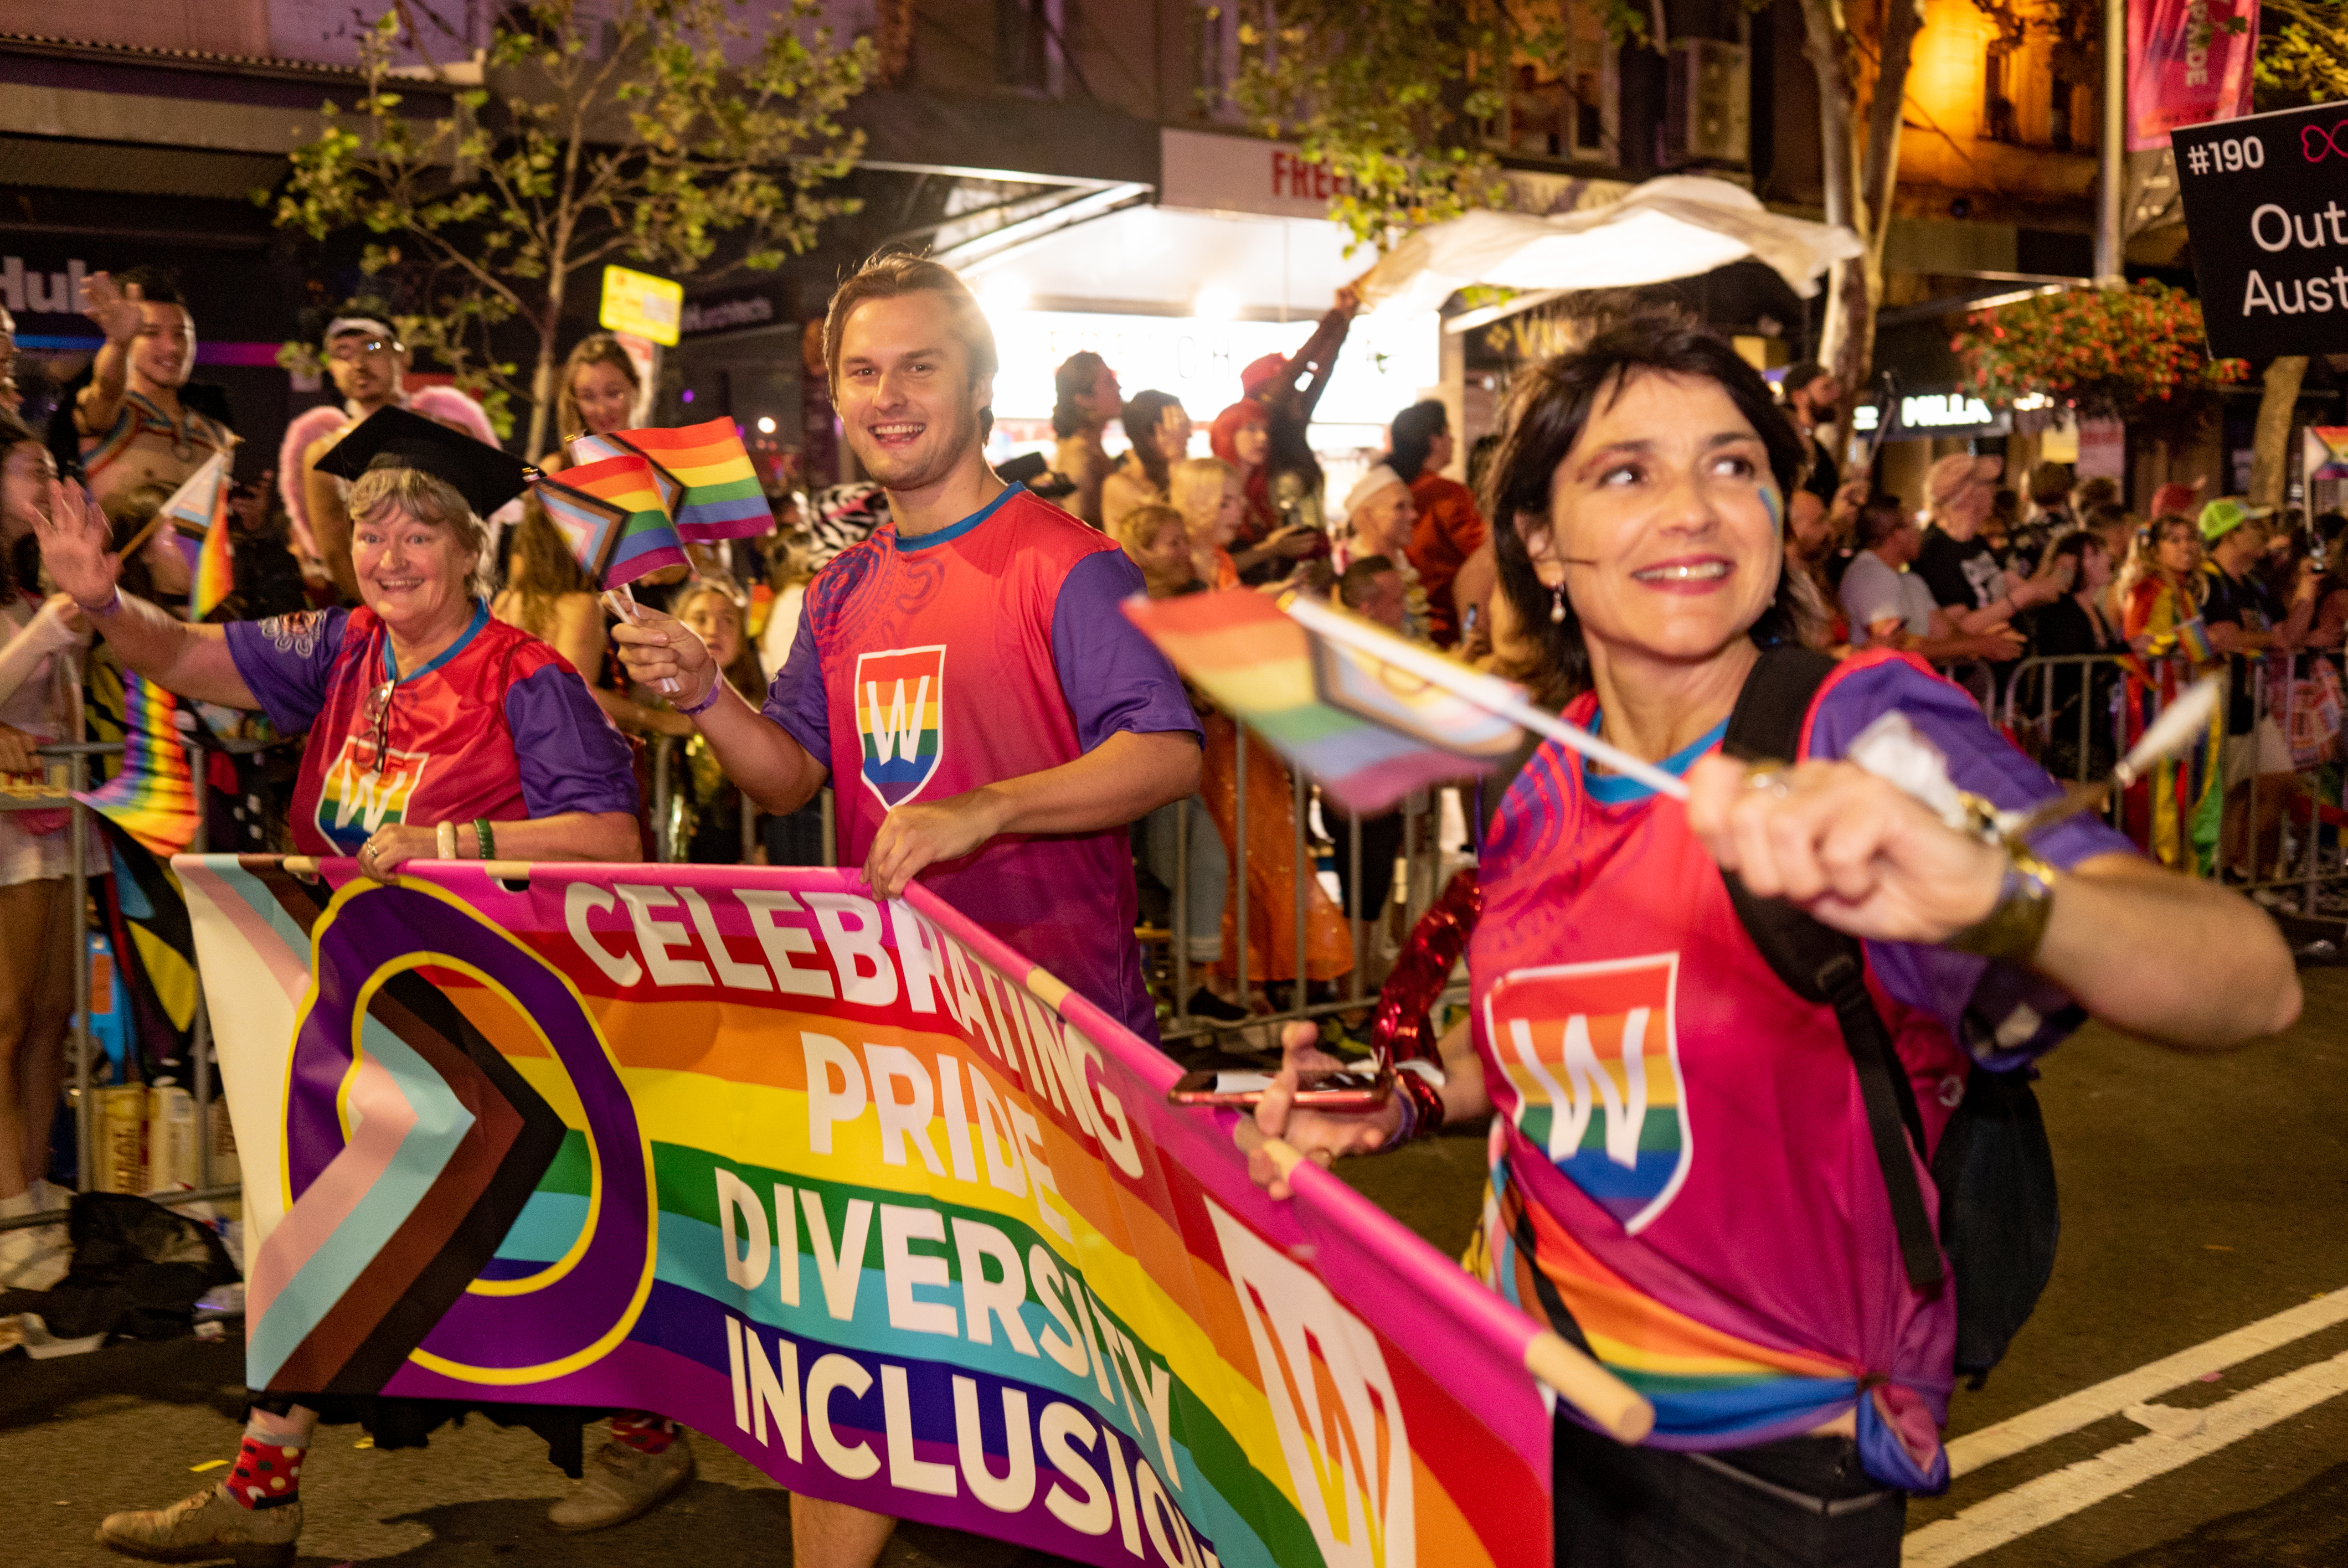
1776	505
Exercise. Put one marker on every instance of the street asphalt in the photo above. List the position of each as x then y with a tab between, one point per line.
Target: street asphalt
2199	1194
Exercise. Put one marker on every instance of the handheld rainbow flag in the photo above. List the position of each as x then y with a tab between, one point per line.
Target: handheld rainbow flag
1368	733
2193	637
612	514
197	515
720	497
153	799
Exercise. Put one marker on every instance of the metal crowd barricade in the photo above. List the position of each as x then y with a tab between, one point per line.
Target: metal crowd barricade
75	755
2104	680
1414	889
670	774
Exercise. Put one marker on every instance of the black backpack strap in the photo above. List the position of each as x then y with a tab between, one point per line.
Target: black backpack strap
1824	966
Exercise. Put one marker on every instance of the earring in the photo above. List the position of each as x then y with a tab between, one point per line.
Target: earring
1556	605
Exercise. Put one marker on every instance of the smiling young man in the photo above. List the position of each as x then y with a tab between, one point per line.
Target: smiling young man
134	430
369	364
990	720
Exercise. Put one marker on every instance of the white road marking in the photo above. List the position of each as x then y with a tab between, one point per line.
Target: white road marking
2114	1395
2038	1503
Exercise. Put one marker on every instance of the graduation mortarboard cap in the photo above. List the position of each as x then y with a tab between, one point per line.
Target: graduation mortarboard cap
485	476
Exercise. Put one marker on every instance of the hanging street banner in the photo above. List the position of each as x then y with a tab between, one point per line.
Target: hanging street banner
851	1188
2188	61
2266	199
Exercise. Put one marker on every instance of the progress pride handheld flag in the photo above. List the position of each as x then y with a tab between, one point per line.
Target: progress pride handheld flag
852	1188
2266	199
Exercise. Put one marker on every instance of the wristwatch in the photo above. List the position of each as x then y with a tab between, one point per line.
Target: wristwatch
2016	923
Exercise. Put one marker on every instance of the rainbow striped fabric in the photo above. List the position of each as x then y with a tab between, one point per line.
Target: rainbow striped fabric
612	513
718	494
198	516
1369	734
1701	1380
153	797
850	1188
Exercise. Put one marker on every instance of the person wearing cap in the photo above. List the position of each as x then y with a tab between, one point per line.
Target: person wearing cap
134	428
1380	514
435	733
369	364
1289	388
2245	620
1957	564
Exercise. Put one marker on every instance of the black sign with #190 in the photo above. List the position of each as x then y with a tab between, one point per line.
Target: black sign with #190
2264	198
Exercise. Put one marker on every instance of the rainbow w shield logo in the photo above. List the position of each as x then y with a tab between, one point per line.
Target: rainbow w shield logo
899	714
361	792
1592	1054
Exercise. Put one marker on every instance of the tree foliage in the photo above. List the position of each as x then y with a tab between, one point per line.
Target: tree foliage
1393	97
597	132
2303	53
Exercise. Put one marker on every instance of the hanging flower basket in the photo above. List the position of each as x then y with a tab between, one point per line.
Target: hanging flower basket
2135	354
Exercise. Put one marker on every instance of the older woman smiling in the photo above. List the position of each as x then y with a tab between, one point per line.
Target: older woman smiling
434	733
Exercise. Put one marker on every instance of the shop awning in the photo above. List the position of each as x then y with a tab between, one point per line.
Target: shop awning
1675	227
1161	260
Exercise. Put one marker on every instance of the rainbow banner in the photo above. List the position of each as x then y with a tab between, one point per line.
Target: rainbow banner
719	498
153	797
1368	732
851	1188
612	513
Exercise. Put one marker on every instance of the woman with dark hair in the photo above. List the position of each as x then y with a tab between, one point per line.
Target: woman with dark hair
41	704
2073	625
1721	1230
1160	433
1449	529
1084	399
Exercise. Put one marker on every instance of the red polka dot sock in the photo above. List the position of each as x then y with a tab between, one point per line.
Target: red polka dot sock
643	1431
267	1473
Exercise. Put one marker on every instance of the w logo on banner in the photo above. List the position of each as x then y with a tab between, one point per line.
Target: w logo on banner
1332	1402
900	716
354	800
1591	1050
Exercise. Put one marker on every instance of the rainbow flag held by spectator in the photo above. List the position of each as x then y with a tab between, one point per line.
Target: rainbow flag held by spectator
720	495
2193	637
1368	729
611	513
198	515
153	799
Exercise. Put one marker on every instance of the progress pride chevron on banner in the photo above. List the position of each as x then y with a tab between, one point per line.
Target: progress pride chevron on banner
850	1188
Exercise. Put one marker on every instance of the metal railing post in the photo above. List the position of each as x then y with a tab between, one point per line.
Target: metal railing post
662	747
1240	823
1304	870
749	827
1181	911
831	833
77	776
199	1031
1354	923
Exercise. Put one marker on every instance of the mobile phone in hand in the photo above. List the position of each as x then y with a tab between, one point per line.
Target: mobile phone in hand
1342	1090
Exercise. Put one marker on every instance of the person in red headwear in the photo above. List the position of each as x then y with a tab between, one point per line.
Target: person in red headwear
1264	547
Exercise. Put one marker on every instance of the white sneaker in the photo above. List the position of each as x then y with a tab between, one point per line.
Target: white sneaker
34	1257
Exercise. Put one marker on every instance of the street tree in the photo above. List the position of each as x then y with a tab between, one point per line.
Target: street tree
1397	99
587	132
